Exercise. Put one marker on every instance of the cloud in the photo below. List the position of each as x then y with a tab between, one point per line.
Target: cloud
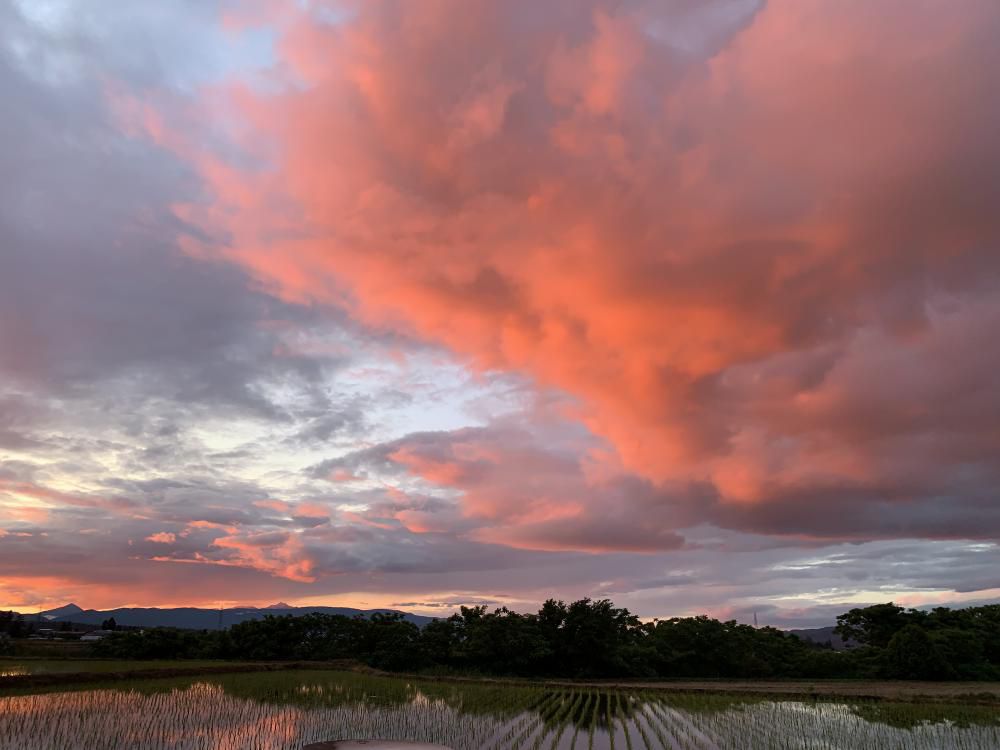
95	288
747	252
688	303
525	484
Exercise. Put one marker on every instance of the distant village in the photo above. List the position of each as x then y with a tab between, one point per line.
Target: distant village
39	627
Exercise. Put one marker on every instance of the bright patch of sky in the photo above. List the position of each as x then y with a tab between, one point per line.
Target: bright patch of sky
180	43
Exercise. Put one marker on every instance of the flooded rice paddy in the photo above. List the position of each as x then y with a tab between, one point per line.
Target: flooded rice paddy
274	711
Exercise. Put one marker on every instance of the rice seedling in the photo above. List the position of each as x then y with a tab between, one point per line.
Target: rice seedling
288	710
578	717
566	718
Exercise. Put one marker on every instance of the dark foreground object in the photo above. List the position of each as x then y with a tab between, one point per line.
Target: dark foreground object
374	745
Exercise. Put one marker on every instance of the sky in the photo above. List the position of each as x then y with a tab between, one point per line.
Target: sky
689	304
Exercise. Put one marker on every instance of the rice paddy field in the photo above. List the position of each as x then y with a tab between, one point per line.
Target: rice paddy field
272	711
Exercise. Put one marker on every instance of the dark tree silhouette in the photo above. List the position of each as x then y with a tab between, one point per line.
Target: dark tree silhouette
589	638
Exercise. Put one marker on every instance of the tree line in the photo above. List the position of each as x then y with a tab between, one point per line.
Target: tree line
595	639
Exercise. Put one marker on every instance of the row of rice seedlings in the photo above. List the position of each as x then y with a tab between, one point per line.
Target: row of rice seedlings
740	721
838	723
592	729
682	729
207	715
622	705
584	709
505	731
784	724
555	720
611	723
521	728
733	721
650	734
654	727
536	722
550	718
566	718
195	719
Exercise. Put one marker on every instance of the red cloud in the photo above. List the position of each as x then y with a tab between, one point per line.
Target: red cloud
719	242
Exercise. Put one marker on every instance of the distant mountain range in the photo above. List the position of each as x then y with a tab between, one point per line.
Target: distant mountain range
193	618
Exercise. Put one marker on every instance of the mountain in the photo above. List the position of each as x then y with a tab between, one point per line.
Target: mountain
193	618
66	612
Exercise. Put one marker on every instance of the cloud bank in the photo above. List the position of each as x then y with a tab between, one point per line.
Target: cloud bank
757	244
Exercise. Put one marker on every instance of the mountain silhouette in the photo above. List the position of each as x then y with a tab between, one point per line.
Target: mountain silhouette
66	611
194	618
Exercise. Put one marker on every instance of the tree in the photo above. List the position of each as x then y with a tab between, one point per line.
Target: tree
392	642
109	624
873	626
596	639
441	641
912	655
12	624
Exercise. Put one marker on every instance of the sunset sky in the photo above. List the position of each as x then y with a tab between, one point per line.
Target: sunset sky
689	304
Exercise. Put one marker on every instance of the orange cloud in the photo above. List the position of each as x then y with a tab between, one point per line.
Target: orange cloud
698	237
277	553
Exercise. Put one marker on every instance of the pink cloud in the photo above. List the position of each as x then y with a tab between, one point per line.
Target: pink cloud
744	257
311	510
524	487
277	553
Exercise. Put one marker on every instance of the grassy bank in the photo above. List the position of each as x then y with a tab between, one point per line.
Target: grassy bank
113	672
18	674
14	666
